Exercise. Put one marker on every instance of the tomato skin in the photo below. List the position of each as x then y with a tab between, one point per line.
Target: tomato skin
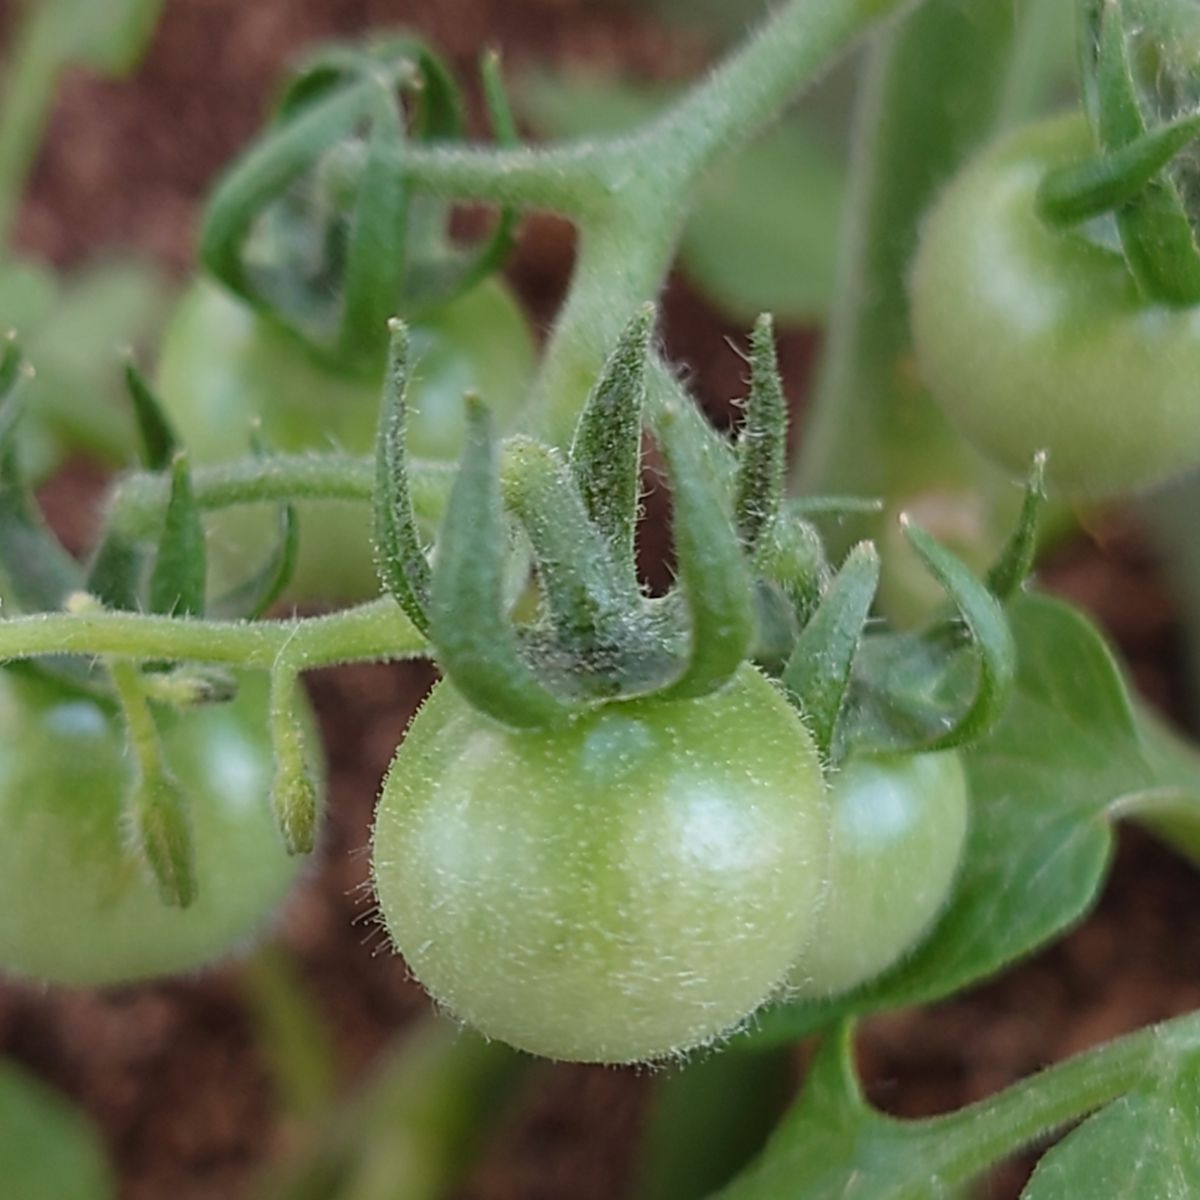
899	827
76	905
222	366
1036	339
622	889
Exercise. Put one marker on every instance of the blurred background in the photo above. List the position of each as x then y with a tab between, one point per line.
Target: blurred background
194	1086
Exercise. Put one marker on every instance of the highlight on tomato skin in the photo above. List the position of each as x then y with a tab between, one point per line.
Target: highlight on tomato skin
1033	338
622	889
899	831
77	906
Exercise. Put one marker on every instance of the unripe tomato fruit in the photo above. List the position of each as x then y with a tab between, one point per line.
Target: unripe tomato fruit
77	906
623	888
222	366
899	827
1033	338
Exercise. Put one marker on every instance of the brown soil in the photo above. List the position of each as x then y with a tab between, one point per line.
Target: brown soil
171	1072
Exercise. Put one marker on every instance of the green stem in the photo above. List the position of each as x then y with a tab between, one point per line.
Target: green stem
965	1144
627	244
30	75
139	500
369	632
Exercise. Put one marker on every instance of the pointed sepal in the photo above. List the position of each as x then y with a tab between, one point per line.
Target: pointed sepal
468	621
399	554
817	675
178	577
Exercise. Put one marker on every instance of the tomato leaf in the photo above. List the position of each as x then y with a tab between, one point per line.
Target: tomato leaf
833	1145
1143	1145
48	1150
1042	784
763	232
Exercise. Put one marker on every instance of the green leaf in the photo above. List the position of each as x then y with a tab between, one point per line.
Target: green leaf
1145	1145
833	1146
48	1150
1042	785
763	231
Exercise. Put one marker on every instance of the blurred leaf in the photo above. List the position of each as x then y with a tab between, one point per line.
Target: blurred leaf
78	393
1042	787
725	17
709	1118
763	232
108	35
1147	1145
28	291
48	1151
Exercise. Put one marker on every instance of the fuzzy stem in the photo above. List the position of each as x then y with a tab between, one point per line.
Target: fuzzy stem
968	1142
376	631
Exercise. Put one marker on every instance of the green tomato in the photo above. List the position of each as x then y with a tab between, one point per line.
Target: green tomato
899	826
222	366
77	904
1032	338
623	888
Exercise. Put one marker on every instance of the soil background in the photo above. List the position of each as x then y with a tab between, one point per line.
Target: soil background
171	1072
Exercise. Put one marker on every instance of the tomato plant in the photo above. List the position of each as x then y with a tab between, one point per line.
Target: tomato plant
64	778
223	367
622	889
625	825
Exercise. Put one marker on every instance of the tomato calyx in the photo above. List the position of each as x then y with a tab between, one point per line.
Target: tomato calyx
1141	109
316	227
753	578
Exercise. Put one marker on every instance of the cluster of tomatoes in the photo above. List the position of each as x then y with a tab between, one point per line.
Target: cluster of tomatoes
639	880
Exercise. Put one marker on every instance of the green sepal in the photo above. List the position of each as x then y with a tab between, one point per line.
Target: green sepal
163	833
437	281
762	445
716	586
399	554
592	604
265	170
158	822
178	577
36	573
1156	236
793	557
375	253
1106	182
295	795
606	453
116	571
468	622
1014	564
818	673
159	442
994	650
